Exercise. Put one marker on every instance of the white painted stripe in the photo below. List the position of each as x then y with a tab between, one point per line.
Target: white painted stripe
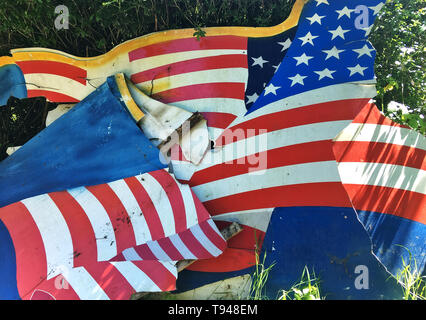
135	276
239	75
181	247
204	241
160	200
345	91
84	285
166	59
54	231
99	219
158	251
182	169
171	266
139	224
258	218
382	133
56	83
267	141
190	209
130	254
214	228
315	172
384	175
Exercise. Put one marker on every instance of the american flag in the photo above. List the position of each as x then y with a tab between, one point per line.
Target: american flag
322	83
110	240
382	167
274	104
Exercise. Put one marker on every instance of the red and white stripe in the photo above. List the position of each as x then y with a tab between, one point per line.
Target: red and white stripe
382	165
57	81
208	76
293	139
108	281
80	227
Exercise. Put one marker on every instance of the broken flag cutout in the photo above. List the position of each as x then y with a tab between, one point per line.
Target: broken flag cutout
123	221
278	101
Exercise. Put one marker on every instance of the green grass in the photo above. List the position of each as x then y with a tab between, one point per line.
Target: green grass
411	280
308	288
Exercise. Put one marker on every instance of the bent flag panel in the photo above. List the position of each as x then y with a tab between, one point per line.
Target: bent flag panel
105	235
98	141
382	167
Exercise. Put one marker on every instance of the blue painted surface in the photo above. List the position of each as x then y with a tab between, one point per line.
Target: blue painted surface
12	83
389	233
355	37
8	289
95	142
330	241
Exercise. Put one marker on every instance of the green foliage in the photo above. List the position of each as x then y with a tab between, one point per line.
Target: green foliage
399	38
259	279
412	282
308	288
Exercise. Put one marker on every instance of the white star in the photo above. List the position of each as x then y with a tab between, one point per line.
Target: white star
271	89
303	59
357	69
258	61
339	32
334	52
315	18
276	67
377	8
308	38
325	73
297	79
252	98
286	44
322	1
364	51
345	12
368	30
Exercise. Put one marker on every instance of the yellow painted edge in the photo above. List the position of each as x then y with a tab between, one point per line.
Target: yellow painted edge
131	105
157	37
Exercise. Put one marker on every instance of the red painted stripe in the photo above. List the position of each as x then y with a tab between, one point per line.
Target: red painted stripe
370	114
327	194
240	253
120	220
53	67
232	90
379	152
51	96
323	112
112	282
402	203
199	64
212	235
175	197
189	44
82	234
169	248
158	273
49	287
31	267
218	119
294	154
145	252
194	245
147	207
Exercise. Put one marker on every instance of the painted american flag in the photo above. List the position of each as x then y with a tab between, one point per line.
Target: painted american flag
382	167
108	241
280	152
